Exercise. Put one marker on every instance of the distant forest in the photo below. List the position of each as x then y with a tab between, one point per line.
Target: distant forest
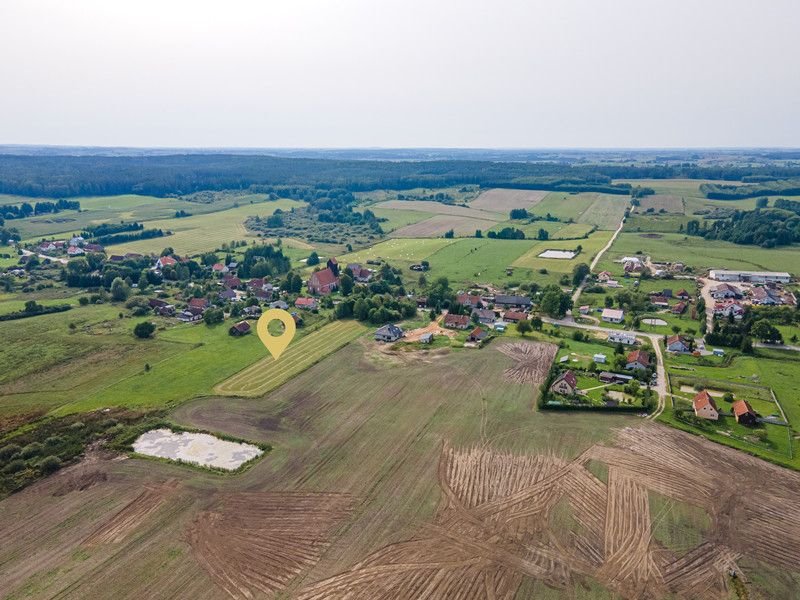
68	176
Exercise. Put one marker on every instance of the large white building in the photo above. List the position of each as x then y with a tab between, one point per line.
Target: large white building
751	276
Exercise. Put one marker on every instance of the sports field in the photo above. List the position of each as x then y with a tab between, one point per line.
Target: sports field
267	374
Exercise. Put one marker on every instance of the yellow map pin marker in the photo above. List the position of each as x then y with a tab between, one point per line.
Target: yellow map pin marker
276	344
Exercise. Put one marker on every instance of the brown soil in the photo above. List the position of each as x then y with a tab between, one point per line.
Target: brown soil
257	543
533	360
493	529
433	327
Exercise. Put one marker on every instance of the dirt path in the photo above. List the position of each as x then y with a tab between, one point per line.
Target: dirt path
705	292
596	260
434	328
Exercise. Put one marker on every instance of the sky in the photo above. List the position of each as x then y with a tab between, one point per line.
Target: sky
400	73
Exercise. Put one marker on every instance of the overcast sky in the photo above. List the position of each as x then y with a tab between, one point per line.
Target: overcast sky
400	73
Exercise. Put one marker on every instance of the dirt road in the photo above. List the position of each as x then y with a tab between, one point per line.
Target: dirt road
579	290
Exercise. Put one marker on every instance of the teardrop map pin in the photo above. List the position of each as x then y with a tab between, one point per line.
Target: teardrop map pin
276	344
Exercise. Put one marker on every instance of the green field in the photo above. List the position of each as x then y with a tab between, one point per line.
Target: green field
604	211
591	246
398	250
267	374
202	233
395	219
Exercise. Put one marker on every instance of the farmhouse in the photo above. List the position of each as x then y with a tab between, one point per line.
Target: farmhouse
469	300
477	335
744	413
456	321
604	276
704	406
241	328
75	251
658	300
165	261
505	301
190	316
514	316
751	276
612	315
360	274
388	333
306	303
219	268
679	308
622	337
252	312
725	291
729	308
282	305
198	303
323	282
565	384
484	315
677	343
682	295
638	359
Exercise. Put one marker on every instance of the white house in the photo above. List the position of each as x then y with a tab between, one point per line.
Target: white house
599	358
622	337
613	315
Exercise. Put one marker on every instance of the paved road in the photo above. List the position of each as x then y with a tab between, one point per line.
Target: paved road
655	339
777	346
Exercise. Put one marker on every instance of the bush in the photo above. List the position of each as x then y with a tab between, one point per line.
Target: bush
8	451
77	425
50	464
144	330
15	466
31	450
54	440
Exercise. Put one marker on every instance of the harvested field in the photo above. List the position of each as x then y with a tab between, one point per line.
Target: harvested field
661	203
533	360
438	225
503	200
439	208
256	543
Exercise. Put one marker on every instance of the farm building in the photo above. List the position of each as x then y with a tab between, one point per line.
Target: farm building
612	315
241	328
323	282
682	295
622	337
188	316
505	301
456	321
388	333
744	413
679	308
469	300
422	301
750	276
201	303
477	335
678	343
609	377
306	303
565	384
659	300
514	316
484	315
638	359
725	291
426	338
704	406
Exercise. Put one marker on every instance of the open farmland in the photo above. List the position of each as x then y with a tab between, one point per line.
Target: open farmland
440	208
503	200
477	260
203	233
703	254
438	225
395	219
661	203
398	250
590	247
267	374
396	479
604	211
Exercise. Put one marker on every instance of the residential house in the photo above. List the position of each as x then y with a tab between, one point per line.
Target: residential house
725	291
678	343
75	251
200	303
744	413
422	301
220	269
232	282
622	337
76	241
565	384
514	316
682	295
660	301
323	282
484	315
729	308
599	358
507	301
228	295
604	276
704	406
306	303
388	333
638	359
241	328
256	284
280	304
360	274
469	300
165	261
93	248
161	307
766	297
477	335
252	312
612	315
584	310
679	308
190	316
456	321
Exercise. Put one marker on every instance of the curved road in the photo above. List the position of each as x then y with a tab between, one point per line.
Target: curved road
655	339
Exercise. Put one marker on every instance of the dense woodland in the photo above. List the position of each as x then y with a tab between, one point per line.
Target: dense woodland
66	176
767	228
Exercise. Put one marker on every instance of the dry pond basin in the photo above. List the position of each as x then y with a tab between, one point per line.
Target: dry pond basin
201	449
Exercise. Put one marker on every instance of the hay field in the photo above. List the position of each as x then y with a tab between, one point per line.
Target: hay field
402	479
398	250
202	233
661	202
503	200
438	225
478	260
439	208
267	374
591	246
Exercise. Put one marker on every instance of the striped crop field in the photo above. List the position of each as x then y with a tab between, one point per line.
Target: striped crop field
268	374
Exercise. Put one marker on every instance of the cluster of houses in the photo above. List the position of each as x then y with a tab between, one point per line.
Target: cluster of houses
662	300
730	300
705	408
76	246
507	309
328	280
